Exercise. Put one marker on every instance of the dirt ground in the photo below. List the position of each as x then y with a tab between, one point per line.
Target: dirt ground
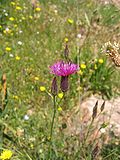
82	115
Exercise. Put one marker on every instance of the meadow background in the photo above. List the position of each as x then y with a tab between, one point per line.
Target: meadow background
33	36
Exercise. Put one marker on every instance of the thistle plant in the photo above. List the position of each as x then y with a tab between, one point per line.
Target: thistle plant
64	70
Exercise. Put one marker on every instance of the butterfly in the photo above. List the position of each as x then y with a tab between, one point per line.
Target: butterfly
112	51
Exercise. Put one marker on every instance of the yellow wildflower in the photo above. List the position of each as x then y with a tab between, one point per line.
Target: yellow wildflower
11	18
18	8
42	88
8	49
11	34
38	9
100	61
15	97
23	18
7	31
31	146
17	58
31	17
15	25
49	138
0	26
95	66
59	108
79	88
70	21
36	78
6	154
80	72
83	66
13	3
66	39
60	95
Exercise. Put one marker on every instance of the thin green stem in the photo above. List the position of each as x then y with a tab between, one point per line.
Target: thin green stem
53	118
52	125
88	131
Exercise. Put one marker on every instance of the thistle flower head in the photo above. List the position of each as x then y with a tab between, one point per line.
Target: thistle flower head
64	69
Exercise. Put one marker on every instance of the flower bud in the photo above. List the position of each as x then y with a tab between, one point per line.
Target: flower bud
54	87
64	83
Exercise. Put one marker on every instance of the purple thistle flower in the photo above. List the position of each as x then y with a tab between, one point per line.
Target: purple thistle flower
64	69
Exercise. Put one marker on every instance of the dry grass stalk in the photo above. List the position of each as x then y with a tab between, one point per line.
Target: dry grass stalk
95	110
4	91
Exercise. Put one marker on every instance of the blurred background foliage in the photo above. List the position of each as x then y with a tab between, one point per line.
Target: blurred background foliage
33	39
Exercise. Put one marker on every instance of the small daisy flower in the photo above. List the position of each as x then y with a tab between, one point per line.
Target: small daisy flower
6	154
6	14
20	43
102	130
20	31
7	29
26	117
4	10
79	35
11	55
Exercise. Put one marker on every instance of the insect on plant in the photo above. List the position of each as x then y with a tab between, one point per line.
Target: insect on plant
112	50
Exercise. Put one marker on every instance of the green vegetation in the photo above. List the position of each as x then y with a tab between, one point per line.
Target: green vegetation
33	37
